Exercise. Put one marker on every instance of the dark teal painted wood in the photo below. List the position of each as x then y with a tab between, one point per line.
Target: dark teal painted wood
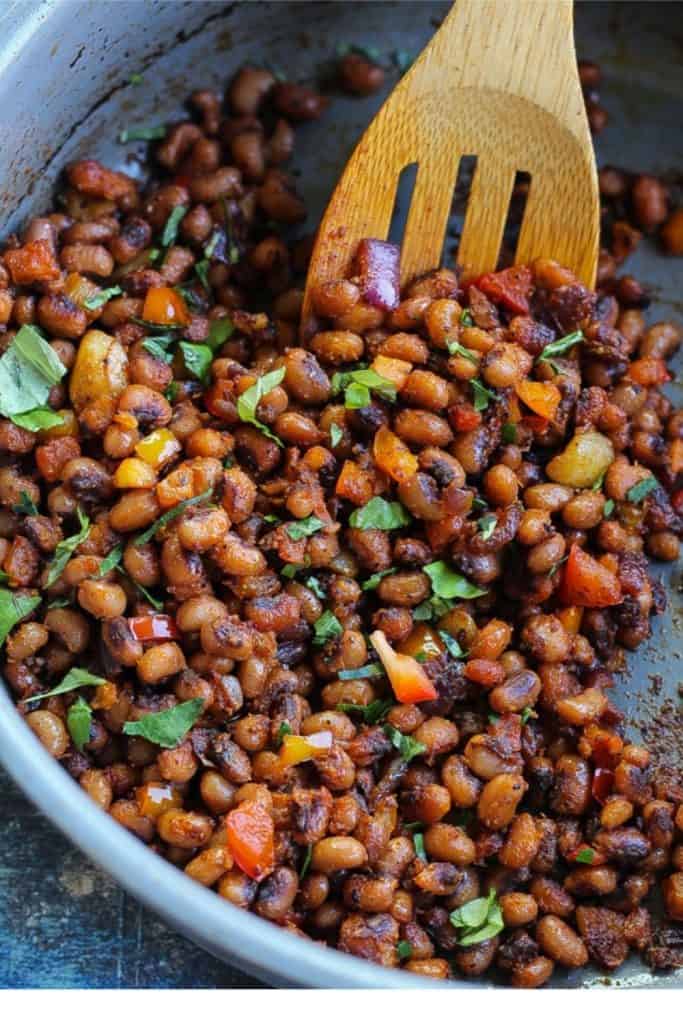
64	924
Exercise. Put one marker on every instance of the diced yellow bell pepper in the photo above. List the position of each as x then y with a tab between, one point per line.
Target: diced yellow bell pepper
423	641
134	473
156	797
80	288
395	370
158	448
295	749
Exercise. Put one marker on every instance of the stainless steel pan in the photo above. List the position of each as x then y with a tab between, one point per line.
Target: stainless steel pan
65	68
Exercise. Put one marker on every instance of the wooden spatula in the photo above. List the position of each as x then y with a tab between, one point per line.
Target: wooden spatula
499	81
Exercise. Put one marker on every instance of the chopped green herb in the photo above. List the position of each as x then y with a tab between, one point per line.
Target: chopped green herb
248	401
169	516
402	60
456	349
26	506
487	524
228	462
201	269
326	628
420	657
314	584
380	514
73	680
608	508
370	53
136	78
155	602
374	581
357	386
407	747
528	713
480	504
198	359
100	298
142	134
189	296
284	729
433	608
448	584
482	395
336	434
466	318
372	713
78	721
585	856
290	570
271	519
451	644
493	717
307	862
363	672
170	232
556	348
555	567
419	844
167	728
478	920
642	489
37	419
66	548
404	949
28	370
160	346
171	392
111	561
304	527
597	486
509	433
59	602
219	332
14	608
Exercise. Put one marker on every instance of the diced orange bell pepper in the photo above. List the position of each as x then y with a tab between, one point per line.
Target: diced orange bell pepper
393	456
295	749
33	262
154	798
648	371
158	448
134	472
571	618
676	455
80	288
395	370
541	397
251	837
408	679
105	697
587	583
464	418
603	782
165	306
355	484
510	288
153	627
424	641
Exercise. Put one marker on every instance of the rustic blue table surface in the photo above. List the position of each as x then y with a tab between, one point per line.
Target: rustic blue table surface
64	924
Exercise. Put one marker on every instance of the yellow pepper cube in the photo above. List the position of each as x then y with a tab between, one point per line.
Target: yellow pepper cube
158	448
134	473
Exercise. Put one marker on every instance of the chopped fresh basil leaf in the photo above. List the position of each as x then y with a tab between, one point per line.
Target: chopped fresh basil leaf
13	608
143	134
374	581
597	486
448	584
59	602
326	628
364	672
26	506
100	298
358	384
482	395
78	721
493	717
404	949
478	920
136	78
284	729
201	269
270	518
372	713
170	232
407	747
527	713
419	844
167	728
248	401
219	332
37	419
169	516
451	644
433	608
159	349
155	602
466	318
66	548
304	527
586	856
290	570
642	489
508	434
198	359
380	514
314	584
73	680
480	504
28	370
608	508
555	567
556	348
110	561
336	434
307	862
487	524
456	349
171	392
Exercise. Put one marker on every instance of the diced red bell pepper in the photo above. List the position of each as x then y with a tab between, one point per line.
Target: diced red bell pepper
677	500
408	679
603	781
464	418
510	288
542	397
251	838
648	371
33	262
153	627
587	583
